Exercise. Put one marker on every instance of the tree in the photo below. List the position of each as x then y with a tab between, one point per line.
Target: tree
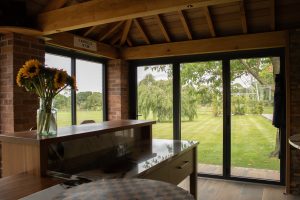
94	101
81	98
62	102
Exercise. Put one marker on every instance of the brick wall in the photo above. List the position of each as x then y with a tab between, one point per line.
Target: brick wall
17	107
117	89
294	77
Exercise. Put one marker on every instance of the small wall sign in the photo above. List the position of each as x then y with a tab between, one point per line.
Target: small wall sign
85	44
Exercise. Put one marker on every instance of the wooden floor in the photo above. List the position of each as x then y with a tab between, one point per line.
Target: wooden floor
215	189
241	172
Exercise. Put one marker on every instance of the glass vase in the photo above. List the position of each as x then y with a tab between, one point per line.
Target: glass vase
46	118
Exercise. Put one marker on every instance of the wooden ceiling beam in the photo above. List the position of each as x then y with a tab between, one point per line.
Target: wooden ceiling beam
185	24
141	30
273	15
162	28
111	31
66	40
204	46
91	29
54	4
209	21
129	42
97	12
115	39
243	16
125	31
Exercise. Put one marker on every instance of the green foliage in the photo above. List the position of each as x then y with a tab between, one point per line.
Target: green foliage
189	103
201	85
156	97
84	101
62	102
255	107
94	101
217	106
238	105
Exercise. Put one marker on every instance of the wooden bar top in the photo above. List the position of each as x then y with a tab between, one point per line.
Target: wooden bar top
74	132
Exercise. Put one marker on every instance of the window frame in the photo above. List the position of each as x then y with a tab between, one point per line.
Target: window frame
73	56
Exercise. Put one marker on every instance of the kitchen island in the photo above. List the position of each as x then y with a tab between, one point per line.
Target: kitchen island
116	149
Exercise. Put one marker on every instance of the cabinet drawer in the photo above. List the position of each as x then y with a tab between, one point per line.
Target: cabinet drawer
160	174
173	171
181	167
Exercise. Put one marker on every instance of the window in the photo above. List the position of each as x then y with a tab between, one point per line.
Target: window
89	93
89	96
62	101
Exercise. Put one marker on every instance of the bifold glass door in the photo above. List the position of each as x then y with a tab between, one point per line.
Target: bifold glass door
254	140
202	112
155	102
226	105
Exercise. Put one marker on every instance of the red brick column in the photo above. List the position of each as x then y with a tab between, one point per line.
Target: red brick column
117	89
17	107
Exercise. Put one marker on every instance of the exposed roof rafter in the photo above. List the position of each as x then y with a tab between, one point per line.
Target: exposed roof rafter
185	24
111	31
125	31
54	4
162	28
115	39
129	42
209	21
243	16
273	15
91	29
141	30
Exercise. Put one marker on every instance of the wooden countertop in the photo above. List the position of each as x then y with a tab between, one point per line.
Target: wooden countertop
18	186
75	131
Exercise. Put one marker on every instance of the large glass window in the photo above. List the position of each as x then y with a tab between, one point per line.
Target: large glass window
62	101
89	94
155	99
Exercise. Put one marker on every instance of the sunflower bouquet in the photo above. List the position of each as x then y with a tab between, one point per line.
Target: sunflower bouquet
46	83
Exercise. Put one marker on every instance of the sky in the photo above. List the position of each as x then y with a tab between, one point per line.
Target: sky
141	73
88	74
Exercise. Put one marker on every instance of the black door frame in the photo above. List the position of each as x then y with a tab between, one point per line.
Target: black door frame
225	58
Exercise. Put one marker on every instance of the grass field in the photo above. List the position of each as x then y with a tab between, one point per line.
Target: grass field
253	137
64	117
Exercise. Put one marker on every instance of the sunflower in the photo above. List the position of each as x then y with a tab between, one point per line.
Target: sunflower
31	68
20	77
60	79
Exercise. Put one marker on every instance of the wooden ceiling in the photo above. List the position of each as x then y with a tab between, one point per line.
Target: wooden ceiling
223	18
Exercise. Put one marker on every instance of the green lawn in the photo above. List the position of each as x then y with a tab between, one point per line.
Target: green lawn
64	117
253	137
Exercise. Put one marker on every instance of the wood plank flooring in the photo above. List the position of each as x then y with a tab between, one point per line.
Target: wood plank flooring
215	189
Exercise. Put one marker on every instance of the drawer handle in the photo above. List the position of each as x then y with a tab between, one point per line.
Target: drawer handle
186	163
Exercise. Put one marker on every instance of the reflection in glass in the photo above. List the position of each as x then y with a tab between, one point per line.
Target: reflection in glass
62	101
